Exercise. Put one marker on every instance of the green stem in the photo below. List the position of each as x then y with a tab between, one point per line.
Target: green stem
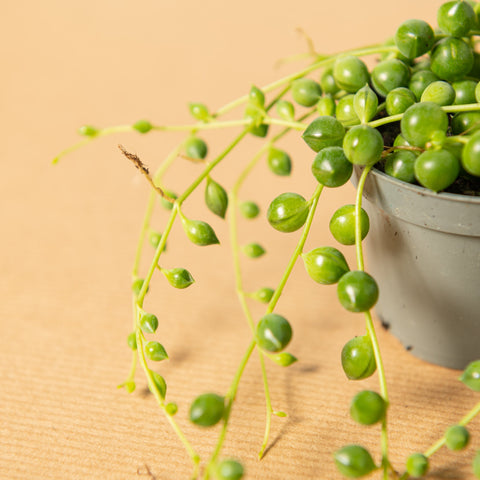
385	120
230	398
464	421
369	322
269	409
160	248
143	232
284	123
441	441
236	260
358	210
383	389
234	233
153	388
165	165
211	166
213	125
298	250
72	148
323	62
470	107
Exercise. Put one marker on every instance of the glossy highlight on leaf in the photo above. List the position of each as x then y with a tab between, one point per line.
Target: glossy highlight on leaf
196	148
324	131
279	162
200	233
354	461
199	111
160	384
178	277
216	198
273	332
471	376
155	351
148	323
288	212
358	358
357	291
207	409
325	265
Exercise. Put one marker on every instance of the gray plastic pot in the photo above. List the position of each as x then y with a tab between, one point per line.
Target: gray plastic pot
423	249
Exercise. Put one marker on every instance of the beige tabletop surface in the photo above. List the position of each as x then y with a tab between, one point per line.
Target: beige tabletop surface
69	235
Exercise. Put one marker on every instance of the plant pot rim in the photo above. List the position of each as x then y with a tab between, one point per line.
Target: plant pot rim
419	190
445	212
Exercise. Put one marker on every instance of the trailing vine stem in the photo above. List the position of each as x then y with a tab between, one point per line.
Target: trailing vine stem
160	248
298	250
369	321
323	62
236	261
435	447
230	398
157	188
158	396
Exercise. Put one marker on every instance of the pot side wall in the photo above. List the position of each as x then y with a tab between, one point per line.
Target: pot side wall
424	251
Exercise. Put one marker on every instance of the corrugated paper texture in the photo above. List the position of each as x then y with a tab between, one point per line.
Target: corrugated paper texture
69	235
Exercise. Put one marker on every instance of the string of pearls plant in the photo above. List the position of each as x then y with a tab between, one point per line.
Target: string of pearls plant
424	93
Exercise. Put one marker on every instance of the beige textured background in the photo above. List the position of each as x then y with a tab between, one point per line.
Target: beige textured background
69	234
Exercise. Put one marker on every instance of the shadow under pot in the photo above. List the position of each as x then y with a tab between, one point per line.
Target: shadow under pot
423	249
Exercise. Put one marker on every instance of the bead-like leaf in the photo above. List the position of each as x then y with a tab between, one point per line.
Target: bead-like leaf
279	162
216	198
253	250
199	111
273	332
129	386
178	277
324	132
256	97
155	351
137	286
354	461
255	116
284	359
132	340
165	203
263	294
249	209
285	110
471	376
160	384
196	148
365	103
325	265
476	464
199	232
288	212
142	126
171	408
148	323
207	409
88	131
